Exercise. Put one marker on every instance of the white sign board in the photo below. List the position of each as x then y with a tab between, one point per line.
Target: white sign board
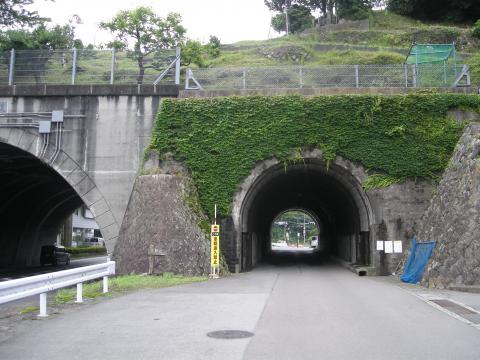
397	247
388	247
379	245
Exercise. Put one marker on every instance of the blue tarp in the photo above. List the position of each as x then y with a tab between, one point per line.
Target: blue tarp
418	259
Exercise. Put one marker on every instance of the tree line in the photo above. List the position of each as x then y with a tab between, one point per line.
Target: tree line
297	15
139	32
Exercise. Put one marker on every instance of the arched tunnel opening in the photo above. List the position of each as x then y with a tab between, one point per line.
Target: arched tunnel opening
35	201
332	196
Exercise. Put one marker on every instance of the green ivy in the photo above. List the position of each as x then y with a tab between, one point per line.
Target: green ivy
221	139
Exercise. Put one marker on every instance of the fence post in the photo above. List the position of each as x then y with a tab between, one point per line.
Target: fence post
357	80
112	67
43	305
74	65
187	79
105	284
406	74
79	293
414	72
300	73
178	53
12	67
244	79
445	72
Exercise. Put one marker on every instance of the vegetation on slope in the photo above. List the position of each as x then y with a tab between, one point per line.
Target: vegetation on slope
387	41
221	139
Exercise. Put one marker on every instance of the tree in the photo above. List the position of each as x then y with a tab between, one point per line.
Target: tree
149	33
213	46
13	13
353	9
346	9
279	5
43	38
193	52
299	16
437	10
476	29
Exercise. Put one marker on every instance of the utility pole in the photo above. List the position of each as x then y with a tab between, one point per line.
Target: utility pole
303	228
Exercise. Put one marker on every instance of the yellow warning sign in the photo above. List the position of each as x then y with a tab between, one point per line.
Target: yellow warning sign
215	240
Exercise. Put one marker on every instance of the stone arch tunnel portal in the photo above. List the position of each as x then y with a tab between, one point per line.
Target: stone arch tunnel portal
332	196
35	200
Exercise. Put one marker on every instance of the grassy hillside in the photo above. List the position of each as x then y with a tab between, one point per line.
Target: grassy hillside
387	41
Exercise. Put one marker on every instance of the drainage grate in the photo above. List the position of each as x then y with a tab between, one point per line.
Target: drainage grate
230	334
468	314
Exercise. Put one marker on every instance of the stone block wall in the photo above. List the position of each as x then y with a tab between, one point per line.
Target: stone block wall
158	216
453	218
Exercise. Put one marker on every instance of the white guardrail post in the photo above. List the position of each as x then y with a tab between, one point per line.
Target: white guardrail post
42	284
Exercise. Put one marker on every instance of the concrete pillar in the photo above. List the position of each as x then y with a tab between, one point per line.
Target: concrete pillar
67	232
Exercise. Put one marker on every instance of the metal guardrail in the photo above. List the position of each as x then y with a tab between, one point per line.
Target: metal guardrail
87	66
41	284
297	77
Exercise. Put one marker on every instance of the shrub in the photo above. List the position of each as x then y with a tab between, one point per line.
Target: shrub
476	29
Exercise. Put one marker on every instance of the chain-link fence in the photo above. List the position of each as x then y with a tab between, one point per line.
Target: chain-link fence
425	75
87	66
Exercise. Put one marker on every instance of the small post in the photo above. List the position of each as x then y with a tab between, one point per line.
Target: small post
178	53
406	74
74	65
244	86
43	305
444	72
215	248
300	74
454	60
105	284
414	73
11	71
112	67
187	80
79	293
357	80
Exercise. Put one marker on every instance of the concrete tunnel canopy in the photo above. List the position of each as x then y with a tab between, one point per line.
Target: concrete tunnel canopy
34	202
333	196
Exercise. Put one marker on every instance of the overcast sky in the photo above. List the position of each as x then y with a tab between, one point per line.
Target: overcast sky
230	20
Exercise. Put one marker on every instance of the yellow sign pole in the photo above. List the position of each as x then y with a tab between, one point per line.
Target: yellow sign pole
215	249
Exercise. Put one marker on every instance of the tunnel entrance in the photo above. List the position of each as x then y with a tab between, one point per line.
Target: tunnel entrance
294	229
35	201
332	197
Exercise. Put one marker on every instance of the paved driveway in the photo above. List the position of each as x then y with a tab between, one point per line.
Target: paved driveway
296	311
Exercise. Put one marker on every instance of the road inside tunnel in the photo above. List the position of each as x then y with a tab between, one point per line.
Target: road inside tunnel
331	196
35	200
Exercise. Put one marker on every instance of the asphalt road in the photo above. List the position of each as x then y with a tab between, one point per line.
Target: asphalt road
294	310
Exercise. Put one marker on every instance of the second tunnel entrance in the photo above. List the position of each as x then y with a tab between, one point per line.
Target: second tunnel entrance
333	197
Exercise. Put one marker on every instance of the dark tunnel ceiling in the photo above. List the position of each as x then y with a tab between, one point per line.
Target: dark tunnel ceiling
303	187
29	187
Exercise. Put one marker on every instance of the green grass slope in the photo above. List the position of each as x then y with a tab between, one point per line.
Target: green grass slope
387	41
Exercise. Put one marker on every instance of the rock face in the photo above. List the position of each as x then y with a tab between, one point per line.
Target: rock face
158	217
453	218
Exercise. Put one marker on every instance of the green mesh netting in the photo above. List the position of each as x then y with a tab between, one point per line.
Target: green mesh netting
436	65
431	53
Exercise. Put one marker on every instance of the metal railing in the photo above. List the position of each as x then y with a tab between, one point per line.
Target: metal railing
42	284
86	66
297	77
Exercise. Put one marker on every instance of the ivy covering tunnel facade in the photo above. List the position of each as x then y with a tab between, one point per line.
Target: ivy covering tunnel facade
221	139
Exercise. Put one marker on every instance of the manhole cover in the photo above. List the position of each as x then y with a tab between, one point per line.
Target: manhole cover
230	334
